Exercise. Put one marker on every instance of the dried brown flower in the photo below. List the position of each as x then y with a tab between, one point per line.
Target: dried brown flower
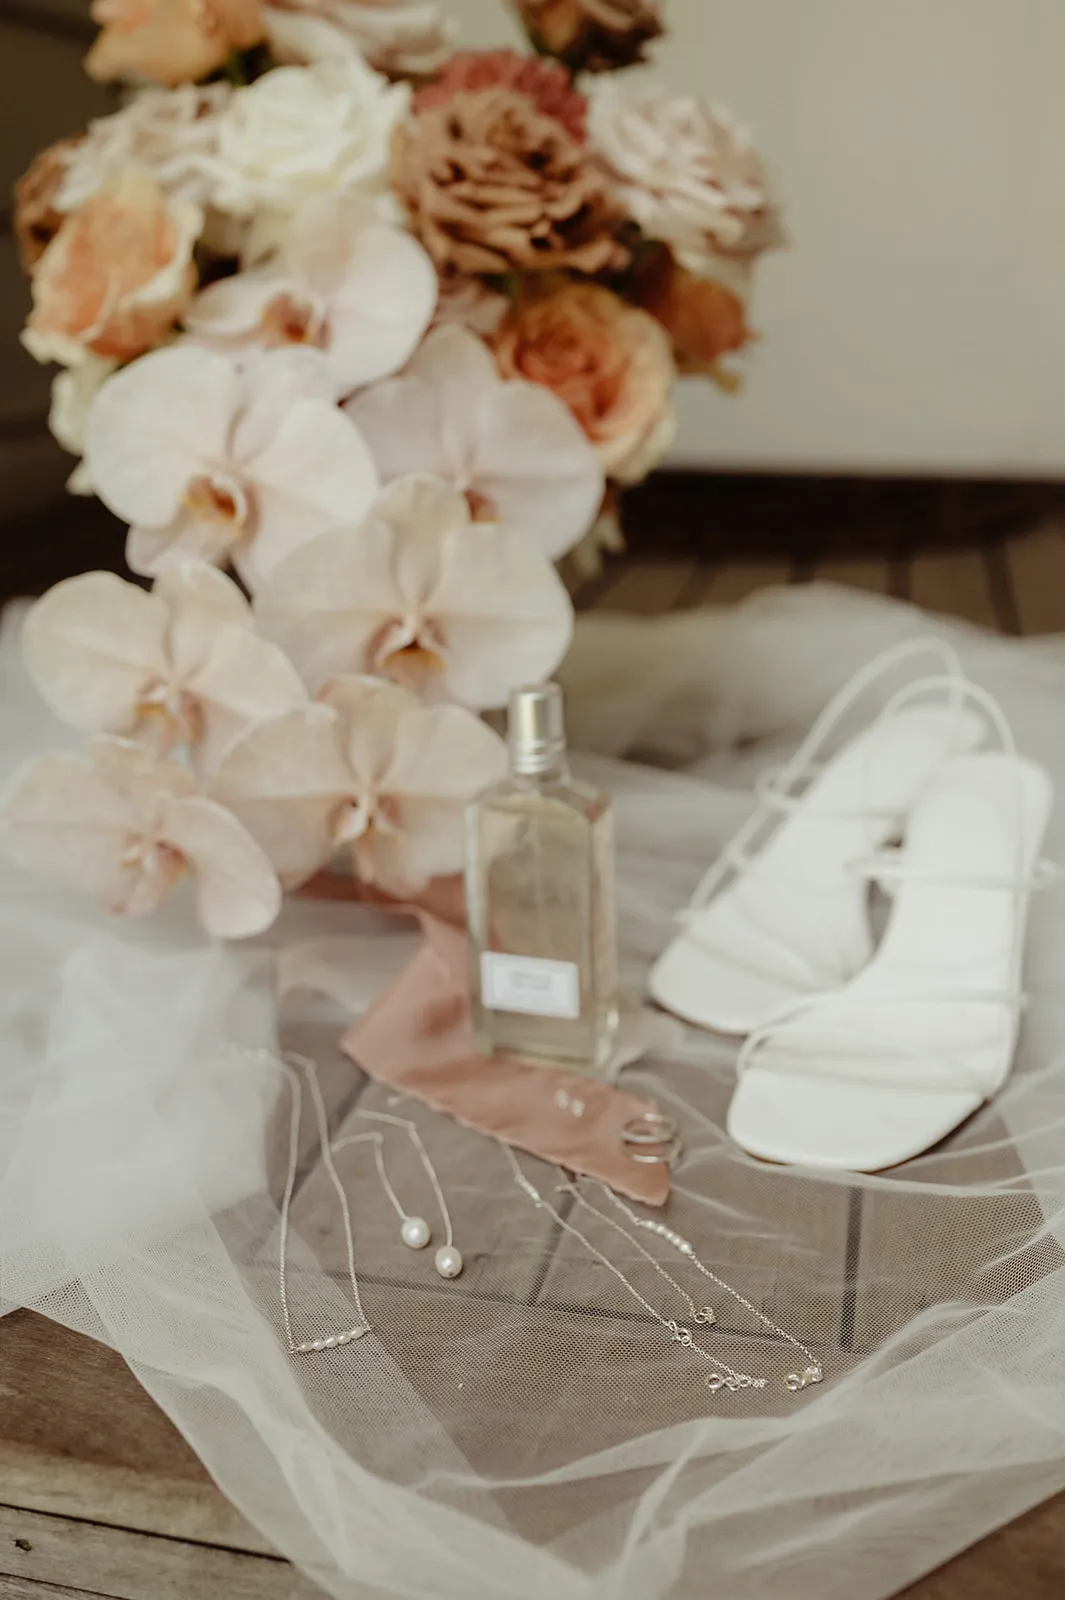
37	219
493	185
592	35
546	83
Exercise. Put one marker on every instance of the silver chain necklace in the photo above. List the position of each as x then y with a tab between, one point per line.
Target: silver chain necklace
723	1376
811	1374
333	1340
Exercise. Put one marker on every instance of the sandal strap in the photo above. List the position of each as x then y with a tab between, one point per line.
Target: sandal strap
802	762
887	866
860	1028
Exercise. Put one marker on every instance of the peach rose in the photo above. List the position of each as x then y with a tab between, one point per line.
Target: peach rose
38	217
172	41
116	276
704	318
609	362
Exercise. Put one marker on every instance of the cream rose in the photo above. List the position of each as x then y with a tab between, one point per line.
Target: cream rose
609	362
170	133
683	171
116	276
301	131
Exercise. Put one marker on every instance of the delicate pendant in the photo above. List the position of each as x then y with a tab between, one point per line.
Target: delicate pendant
802	1380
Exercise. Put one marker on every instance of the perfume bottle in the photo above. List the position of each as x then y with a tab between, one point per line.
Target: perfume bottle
540	897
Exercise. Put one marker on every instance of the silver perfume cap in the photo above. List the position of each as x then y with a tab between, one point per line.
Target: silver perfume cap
537	729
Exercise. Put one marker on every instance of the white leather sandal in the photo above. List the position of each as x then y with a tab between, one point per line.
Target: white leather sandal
884	1069
793	919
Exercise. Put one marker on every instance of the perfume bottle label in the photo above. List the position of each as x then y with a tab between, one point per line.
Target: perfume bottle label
531	986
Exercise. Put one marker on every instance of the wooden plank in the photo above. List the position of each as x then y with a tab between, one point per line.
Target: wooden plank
135	1566
647	588
23	1589
872	573
1025	1559
1036	566
736	581
82	1438
954	583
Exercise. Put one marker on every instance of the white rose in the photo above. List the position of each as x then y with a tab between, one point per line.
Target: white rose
170	133
684	172
300	131
73	392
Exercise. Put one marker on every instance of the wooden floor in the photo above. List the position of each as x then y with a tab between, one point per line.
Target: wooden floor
1015	587
99	1496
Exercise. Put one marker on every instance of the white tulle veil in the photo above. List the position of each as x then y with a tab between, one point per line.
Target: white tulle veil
525	1431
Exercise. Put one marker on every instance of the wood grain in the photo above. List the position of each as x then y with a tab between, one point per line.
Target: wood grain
646	588
872	573
133	1566
1036	566
954	583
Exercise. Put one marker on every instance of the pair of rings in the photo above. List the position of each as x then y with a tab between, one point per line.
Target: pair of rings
652	1139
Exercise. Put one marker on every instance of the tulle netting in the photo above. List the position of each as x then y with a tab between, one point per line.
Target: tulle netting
528	1430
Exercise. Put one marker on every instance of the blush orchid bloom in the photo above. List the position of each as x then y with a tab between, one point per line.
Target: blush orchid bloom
418	593
180	666
343	281
219	463
512	447
123	825
369	769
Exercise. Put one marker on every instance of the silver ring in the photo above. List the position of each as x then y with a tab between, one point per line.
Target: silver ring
653	1140
651	1128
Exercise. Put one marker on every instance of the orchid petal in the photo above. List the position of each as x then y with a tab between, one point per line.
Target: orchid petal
315	473
137	773
444	757
535	465
273	381
92	644
65	822
457	366
84	823
425	514
400	421
505	615
157	425
201	602
284	780
153	551
369	712
379	284
244	680
237	892
324	603
232	307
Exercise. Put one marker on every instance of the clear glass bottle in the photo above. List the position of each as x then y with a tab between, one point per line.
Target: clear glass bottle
540	896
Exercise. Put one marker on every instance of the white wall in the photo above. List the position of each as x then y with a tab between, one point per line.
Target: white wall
918	324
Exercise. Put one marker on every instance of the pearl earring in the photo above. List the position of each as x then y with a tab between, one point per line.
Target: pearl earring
414	1231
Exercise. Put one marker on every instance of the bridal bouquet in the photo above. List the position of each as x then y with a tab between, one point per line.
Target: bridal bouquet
383	328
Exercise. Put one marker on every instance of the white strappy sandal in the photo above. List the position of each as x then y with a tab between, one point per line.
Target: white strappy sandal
884	1069
793	921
